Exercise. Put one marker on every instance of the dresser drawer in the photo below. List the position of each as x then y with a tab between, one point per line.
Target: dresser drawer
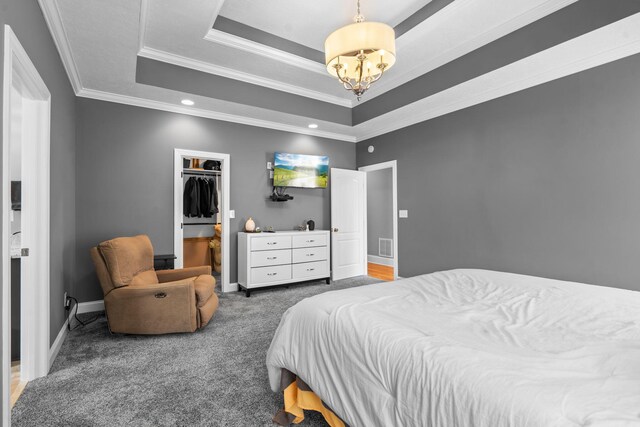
265	275
266	258
270	243
310	254
311	269
309	240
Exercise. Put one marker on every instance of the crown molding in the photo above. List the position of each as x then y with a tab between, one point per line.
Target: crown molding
217	9
392	81
53	19
604	45
144	16
215	115
230	40
218	70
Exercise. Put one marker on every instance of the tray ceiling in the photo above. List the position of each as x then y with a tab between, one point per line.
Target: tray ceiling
103	44
309	23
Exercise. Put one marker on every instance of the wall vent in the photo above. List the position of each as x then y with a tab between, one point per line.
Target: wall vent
385	247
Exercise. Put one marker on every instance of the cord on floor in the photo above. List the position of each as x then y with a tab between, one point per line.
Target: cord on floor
80	324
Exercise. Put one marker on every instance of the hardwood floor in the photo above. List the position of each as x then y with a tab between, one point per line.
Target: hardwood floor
17	386
383	272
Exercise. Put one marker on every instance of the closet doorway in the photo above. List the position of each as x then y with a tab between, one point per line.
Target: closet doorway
25	216
201	212
382	220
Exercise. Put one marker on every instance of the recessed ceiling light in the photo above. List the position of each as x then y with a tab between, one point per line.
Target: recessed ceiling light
187	102
313	126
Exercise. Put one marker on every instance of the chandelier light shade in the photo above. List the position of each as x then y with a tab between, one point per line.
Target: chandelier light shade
358	54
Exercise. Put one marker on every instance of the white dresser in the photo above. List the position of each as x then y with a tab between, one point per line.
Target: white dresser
281	258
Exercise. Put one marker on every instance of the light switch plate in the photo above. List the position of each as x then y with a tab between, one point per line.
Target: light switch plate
232	214
269	165
403	213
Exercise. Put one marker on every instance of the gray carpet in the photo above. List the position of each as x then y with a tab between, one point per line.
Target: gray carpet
214	377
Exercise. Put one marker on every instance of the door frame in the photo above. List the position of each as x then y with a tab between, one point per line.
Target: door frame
20	71
393	165
178	188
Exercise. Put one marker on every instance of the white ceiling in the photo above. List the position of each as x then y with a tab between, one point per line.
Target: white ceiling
310	22
99	41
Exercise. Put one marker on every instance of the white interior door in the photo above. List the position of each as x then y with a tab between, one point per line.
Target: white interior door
348	223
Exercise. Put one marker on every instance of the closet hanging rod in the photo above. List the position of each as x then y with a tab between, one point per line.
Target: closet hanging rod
200	223
200	172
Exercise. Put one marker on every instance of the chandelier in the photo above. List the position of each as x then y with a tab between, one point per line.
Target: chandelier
358	54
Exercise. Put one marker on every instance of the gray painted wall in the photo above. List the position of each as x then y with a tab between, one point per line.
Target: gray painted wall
379	208
543	182
125	177
26	20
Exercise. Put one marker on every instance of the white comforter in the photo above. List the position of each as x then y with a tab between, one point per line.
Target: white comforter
468	348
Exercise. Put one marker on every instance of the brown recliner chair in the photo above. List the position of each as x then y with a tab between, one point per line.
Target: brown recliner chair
140	300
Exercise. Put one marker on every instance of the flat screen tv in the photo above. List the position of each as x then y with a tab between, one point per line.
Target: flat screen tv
300	170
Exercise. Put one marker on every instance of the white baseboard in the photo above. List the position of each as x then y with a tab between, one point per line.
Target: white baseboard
90	306
374	259
83	307
57	344
233	287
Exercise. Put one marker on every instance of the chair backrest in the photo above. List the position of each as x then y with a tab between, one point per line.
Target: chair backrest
101	270
127	261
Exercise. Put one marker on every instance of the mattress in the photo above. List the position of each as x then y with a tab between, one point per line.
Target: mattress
467	348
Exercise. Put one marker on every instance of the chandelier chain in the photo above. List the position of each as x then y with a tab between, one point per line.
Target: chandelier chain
358	18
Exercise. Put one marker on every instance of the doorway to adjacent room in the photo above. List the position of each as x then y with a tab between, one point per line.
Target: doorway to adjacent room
382	220
25	223
201	237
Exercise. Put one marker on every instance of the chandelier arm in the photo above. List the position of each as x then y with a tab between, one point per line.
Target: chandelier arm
346	82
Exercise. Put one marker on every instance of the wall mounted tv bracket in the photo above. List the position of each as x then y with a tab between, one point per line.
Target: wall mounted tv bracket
277	195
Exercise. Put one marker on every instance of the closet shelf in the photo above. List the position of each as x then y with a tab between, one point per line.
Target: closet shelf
202	172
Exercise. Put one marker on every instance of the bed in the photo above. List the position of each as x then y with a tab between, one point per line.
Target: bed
465	348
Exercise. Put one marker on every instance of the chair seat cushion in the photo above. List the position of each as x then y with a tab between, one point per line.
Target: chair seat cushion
204	286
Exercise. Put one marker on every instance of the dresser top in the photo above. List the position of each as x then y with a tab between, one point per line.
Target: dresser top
285	233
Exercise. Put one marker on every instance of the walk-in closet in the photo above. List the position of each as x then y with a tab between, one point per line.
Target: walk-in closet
202	225
200	206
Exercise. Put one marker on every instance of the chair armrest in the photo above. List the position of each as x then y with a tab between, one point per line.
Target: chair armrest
153	309
181	274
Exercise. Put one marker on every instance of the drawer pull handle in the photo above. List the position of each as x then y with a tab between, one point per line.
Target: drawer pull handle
272	243
271	274
272	257
160	295
311	254
310	269
310	241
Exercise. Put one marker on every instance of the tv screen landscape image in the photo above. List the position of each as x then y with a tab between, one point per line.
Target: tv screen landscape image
300	170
